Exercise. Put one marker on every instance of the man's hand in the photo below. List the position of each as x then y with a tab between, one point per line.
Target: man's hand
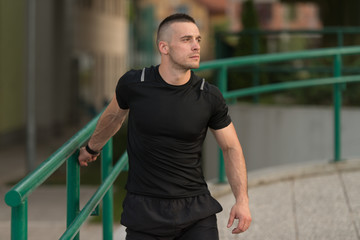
85	157
241	212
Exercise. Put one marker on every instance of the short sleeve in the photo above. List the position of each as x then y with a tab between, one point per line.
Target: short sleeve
121	94
220	117
122	88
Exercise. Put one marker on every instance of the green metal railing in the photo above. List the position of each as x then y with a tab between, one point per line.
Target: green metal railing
255	36
17	197
337	81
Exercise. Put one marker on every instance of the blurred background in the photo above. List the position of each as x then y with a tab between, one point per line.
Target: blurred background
60	60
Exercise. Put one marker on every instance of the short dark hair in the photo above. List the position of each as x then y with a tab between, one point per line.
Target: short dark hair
177	17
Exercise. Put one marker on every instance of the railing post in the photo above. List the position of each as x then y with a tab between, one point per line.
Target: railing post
222	79
106	167
19	218
256	75
222	83
337	109
222	175
340	37
73	190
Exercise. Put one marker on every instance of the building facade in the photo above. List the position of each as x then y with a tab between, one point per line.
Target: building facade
81	49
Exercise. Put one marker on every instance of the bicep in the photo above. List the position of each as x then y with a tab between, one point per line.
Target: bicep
226	137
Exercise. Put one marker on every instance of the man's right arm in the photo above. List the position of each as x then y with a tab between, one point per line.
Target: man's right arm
109	123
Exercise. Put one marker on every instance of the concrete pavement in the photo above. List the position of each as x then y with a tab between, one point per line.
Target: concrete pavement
316	201
309	204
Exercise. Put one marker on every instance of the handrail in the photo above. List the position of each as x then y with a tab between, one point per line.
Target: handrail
290	85
17	196
74	228
20	191
256	34
277	57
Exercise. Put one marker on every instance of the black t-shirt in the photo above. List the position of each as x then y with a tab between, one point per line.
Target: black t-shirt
166	129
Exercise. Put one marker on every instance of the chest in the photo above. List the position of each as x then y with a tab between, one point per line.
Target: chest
178	113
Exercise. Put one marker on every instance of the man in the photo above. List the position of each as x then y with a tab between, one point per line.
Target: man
170	110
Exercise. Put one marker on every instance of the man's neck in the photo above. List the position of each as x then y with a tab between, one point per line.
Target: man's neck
175	77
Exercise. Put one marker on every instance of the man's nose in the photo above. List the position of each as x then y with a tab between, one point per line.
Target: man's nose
196	46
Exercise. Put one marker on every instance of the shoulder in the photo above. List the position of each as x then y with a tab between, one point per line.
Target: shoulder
208	88
213	91
130	77
134	76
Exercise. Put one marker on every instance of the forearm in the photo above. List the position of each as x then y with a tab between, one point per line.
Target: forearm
235	168
236	172
106	127
109	123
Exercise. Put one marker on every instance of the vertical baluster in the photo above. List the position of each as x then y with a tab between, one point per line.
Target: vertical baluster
106	167
222	83
73	189
255	70
337	109
19	221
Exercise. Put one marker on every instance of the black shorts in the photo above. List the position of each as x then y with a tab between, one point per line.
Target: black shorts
158	218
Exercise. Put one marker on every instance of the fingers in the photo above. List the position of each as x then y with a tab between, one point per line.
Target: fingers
83	164
84	157
231	220
242	213
241	227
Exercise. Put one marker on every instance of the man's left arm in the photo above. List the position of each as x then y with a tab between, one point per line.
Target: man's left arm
235	168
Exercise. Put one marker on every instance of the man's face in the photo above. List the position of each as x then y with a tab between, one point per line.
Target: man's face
184	45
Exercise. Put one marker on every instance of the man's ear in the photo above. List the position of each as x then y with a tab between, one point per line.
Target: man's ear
163	47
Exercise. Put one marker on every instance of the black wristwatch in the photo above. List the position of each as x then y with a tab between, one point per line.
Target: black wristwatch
89	150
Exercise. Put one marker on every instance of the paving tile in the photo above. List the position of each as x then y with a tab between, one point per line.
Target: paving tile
4	230
48	230
352	187
5	210
321	209
272	213
49	202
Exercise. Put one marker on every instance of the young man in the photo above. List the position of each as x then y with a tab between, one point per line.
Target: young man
170	110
